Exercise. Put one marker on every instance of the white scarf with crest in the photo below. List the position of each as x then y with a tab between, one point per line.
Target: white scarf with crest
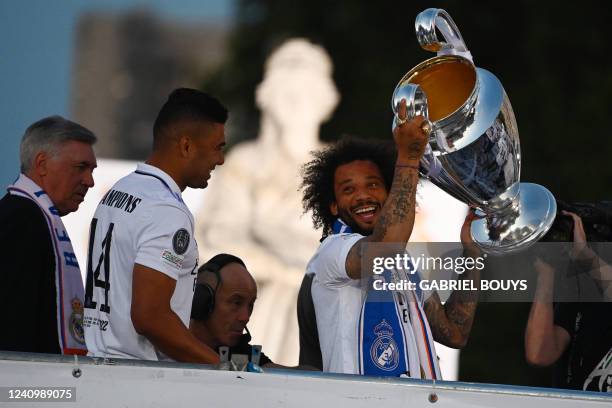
68	280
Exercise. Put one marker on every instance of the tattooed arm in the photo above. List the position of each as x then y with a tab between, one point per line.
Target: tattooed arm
395	222
451	323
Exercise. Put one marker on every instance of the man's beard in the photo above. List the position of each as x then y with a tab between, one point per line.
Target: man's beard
345	216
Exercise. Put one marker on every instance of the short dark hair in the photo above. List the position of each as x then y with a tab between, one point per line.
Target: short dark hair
185	104
318	174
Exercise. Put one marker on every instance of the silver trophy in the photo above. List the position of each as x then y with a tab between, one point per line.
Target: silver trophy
474	151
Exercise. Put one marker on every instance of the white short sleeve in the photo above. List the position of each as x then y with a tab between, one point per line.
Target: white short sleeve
330	260
164	239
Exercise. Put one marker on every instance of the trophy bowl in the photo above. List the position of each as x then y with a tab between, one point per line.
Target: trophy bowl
474	149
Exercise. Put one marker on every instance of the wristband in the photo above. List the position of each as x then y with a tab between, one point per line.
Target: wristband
410	166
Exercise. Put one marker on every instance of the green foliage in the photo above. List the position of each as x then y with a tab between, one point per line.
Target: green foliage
552	58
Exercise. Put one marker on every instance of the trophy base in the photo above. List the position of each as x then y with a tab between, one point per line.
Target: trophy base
519	227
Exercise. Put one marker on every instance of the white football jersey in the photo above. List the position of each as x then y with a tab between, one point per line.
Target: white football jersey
141	220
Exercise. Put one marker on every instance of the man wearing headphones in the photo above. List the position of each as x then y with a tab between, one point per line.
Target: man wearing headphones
223	301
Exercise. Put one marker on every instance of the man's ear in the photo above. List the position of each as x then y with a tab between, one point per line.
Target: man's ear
333	207
185	145
40	164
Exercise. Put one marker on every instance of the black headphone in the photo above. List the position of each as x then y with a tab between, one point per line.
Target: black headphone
203	302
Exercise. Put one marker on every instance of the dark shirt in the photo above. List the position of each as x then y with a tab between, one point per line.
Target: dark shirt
243	347
28	304
310	348
590	328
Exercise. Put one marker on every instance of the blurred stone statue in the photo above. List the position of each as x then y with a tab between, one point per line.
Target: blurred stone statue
253	207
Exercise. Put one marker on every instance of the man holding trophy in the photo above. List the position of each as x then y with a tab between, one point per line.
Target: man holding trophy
349	189
455	126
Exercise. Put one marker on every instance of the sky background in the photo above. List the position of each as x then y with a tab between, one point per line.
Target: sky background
36	51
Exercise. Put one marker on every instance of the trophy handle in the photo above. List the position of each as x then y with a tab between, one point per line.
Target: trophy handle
416	105
425	26
416	101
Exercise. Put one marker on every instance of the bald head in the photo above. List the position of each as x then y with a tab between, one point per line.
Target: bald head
235	297
233	276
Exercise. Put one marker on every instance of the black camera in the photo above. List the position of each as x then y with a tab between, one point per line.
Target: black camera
596	218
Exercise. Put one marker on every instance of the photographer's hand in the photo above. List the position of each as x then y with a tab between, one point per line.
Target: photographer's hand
599	270
578	252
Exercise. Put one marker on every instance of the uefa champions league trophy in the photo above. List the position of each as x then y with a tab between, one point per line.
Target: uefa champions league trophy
474	150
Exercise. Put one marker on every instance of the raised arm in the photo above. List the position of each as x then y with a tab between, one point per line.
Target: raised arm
451	323
544	341
396	220
599	269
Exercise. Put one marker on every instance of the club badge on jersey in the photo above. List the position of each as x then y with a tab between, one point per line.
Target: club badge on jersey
157	235
389	343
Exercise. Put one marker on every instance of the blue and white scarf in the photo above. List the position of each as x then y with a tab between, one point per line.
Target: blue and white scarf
394	335
68	280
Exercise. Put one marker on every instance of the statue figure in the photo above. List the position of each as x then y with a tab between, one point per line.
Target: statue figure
253	207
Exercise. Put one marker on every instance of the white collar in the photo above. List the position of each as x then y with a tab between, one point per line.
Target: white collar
147	169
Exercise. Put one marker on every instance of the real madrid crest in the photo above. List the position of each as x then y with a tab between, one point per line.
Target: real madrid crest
384	351
76	321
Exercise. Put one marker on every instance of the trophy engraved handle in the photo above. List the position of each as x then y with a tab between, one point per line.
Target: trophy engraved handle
425	26
416	104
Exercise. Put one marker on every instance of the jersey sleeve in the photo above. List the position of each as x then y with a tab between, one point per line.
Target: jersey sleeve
330	262
164	239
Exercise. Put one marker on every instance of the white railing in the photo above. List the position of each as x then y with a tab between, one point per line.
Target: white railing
130	383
